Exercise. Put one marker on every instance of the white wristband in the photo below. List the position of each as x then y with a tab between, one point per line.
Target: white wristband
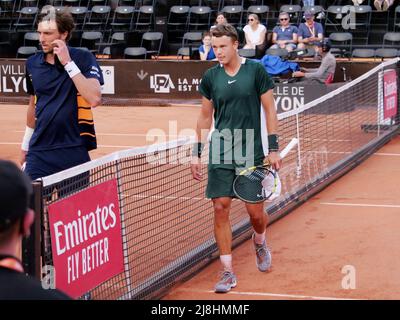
72	69
27	138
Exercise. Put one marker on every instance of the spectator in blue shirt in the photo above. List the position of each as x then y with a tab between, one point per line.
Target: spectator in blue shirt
310	34
206	51
284	36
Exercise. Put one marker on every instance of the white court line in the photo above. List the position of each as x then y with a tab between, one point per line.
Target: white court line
267	294
128	147
360	205
313	139
326	152
173	198
178	136
99	146
112	146
128	134
387	154
162	197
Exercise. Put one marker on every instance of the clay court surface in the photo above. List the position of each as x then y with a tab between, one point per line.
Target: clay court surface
354	222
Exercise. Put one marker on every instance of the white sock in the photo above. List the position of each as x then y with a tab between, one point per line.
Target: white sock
226	261
259	237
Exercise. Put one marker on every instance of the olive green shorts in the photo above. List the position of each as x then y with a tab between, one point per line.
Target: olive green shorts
220	182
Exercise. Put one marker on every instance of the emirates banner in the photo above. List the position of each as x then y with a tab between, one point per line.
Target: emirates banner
86	239
389	93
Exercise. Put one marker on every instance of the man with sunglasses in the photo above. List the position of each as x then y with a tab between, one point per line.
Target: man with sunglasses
310	33
254	31
284	36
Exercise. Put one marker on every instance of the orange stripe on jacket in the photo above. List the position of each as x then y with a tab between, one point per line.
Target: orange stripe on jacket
88	134
84	114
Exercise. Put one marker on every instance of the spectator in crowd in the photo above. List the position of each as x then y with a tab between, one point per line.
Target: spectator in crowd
15	223
221	19
310	34
206	51
284	36
382	5
326	71
254	31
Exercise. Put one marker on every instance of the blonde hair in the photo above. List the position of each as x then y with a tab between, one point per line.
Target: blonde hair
255	16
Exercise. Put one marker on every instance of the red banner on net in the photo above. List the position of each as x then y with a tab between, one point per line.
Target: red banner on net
86	239
390	94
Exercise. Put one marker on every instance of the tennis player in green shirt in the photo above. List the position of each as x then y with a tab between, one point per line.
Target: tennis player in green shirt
233	92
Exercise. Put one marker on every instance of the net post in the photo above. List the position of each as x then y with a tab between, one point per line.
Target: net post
31	248
380	99
298	167
127	272
397	117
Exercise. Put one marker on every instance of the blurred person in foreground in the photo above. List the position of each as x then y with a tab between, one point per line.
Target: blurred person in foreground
16	220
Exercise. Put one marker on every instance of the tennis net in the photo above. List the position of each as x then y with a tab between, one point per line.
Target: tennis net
166	223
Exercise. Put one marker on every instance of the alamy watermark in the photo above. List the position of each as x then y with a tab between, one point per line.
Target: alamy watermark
48	277
349	17
227	146
349	280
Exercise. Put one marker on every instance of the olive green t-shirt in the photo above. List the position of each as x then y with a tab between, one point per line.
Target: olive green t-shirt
236	140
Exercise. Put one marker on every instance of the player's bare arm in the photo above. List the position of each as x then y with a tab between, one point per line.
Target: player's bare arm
88	88
30	126
204	122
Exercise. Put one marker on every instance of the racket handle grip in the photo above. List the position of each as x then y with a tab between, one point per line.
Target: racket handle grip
289	147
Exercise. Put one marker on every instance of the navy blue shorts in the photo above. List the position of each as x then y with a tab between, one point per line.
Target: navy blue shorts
43	163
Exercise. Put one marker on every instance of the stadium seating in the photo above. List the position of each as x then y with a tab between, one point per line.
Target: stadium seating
135	53
363	53
191	41
342	42
233	14
25	52
199	18
122	19
136	17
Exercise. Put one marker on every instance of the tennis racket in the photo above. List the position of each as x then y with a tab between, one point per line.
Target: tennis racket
259	183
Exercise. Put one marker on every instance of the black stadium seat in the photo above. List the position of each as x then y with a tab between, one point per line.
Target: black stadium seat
123	18
363	53
145	18
25	52
97	18
135	53
199	18
386	53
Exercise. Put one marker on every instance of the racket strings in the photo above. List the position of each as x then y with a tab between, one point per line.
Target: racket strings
250	187
257	175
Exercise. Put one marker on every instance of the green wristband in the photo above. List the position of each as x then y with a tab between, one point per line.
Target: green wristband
197	149
273	143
